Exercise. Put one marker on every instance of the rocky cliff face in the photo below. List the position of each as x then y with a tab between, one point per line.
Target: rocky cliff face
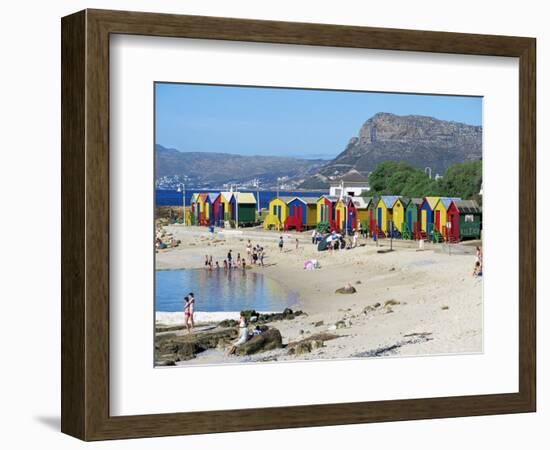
418	140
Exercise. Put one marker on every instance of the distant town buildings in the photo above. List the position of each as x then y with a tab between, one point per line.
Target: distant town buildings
352	183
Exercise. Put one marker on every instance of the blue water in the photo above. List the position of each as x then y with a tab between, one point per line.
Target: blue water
218	290
164	197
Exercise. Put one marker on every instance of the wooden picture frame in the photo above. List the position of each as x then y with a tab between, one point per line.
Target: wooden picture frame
85	224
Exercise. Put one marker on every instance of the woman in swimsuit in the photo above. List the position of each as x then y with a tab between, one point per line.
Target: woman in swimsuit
188	311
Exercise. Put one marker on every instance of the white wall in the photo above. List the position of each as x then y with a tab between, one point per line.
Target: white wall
30	225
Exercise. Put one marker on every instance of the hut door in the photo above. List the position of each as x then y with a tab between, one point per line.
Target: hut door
338	217
409	219
424	220
300	209
379	222
437	220
322	213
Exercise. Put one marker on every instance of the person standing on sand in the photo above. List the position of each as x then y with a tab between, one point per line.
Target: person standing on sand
297	242
229	258
281	243
313	236
261	256
249	251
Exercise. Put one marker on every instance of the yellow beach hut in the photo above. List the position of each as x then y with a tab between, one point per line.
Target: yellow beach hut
398	214
325	209
384	213
440	214
278	212
427	213
340	213
203	210
226	205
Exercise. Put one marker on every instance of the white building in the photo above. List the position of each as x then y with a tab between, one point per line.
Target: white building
353	184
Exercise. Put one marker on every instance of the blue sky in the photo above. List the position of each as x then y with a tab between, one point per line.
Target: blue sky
285	122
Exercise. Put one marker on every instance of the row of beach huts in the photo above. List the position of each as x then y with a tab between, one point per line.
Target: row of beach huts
429	218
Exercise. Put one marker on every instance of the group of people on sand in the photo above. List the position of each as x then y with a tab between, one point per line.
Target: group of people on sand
338	241
478	263
255	253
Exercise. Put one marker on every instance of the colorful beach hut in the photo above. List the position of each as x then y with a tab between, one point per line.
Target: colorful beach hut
326	210
217	217
244	207
361	205
398	215
210	215
427	213
302	213
227	207
340	214
412	217
384	214
453	221
469	219
440	214
201	208
278	212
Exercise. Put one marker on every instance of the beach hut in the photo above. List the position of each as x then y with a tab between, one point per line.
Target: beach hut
412	218
384	214
302	213
278	212
217	217
440	214
453	222
427	213
340	213
398	216
326	210
227	205
361	205
201	208
211	216
193	209
372	212
469	222
244	207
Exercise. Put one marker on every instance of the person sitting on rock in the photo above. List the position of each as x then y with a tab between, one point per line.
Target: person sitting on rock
243	335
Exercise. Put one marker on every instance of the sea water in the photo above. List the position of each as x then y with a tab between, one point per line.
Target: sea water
165	197
218	293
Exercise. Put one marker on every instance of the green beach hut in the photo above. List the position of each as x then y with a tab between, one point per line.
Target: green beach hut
469	219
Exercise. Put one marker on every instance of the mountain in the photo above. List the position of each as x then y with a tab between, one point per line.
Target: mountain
418	140
213	170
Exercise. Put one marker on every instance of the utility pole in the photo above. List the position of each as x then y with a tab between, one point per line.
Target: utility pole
181	188
258	194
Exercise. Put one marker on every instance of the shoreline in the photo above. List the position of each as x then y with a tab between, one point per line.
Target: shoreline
435	305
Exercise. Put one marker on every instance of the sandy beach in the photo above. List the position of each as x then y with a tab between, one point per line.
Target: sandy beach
407	302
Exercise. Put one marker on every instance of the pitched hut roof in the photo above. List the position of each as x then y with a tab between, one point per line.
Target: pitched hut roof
330	198
306	200
432	201
467	206
213	196
227	196
389	200
447	201
245	198
361	202
417	201
202	196
283	198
